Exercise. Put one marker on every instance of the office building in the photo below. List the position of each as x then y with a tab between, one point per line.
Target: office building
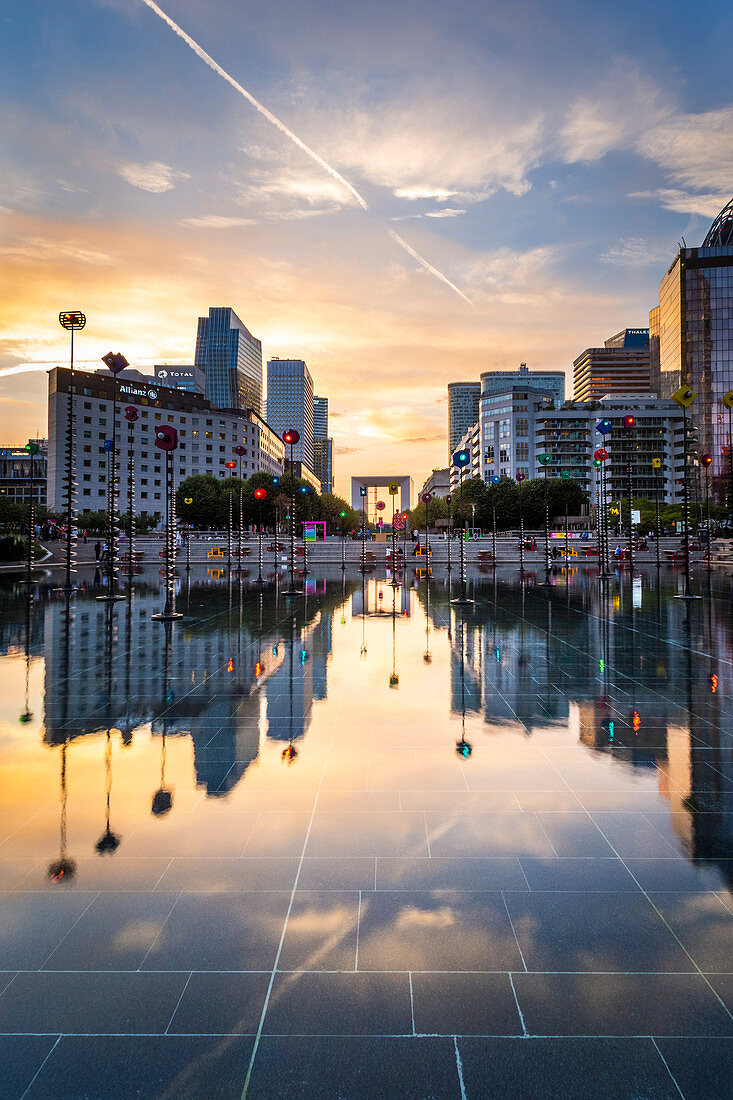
547	381
207	437
230	358
570	436
463	406
322	445
178	376
470	441
506	441
691	334
15	473
290	404
620	366
437	483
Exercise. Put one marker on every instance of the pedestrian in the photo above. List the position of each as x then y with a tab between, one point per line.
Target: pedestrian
97	549
85	536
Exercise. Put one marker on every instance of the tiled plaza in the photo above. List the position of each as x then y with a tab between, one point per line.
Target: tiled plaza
361	843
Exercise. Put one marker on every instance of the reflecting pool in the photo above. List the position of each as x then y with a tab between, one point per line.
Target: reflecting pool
361	842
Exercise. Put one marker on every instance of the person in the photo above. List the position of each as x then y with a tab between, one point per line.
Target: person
85	536
97	549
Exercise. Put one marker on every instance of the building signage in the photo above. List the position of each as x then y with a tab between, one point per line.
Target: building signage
137	391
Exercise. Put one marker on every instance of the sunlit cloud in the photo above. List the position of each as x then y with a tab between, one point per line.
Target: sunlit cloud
155	177
423	192
684	202
216	221
637	252
695	149
40	249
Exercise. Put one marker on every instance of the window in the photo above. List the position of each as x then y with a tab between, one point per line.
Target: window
87	419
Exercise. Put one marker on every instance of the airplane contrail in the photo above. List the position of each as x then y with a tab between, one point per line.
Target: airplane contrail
428	267
329	169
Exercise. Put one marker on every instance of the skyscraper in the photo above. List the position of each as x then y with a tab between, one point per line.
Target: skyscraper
231	360
548	381
463	408
290	404
322	445
691	333
620	366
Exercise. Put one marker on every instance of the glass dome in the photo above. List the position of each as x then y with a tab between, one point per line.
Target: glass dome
720	234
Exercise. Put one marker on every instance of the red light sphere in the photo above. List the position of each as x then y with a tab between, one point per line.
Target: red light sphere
260	494
240	450
291	437
601	454
629	421
230	465
706	460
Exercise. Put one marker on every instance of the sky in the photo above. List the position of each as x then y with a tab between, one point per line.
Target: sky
402	193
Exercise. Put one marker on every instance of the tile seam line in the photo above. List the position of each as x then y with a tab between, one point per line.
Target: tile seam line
35	1075
666	1066
664	921
278	953
514	933
70	930
178	1002
140	970
459	1069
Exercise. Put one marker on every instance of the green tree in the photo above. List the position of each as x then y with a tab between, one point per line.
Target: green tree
204	493
330	507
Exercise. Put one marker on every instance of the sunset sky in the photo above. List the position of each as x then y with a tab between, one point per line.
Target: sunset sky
544	160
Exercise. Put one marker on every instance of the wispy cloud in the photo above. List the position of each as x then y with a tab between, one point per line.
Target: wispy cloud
684	202
155	177
42	249
637	252
695	149
216	221
422	191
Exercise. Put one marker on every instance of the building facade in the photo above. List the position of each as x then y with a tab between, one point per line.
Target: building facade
437	483
620	366
691	334
506	431
290	404
470	441
15	473
180	376
230	358
463	410
322	445
570	436
207	437
547	381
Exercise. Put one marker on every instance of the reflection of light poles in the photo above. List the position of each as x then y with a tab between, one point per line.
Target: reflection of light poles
62	869
163	797
461	459
545	460
116	363
684	397
394	680
73	321
705	461
291	437
463	747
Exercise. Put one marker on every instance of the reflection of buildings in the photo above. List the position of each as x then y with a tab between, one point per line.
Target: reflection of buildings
215	680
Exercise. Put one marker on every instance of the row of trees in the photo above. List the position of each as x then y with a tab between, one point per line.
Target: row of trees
203	501
476	505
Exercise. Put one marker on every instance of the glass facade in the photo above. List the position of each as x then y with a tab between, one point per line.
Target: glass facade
290	404
693	343
231	360
463	411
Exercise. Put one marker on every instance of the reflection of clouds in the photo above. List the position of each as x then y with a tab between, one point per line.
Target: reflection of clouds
413	917
136	934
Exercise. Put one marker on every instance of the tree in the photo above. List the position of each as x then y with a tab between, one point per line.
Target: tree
330	508
437	509
204	493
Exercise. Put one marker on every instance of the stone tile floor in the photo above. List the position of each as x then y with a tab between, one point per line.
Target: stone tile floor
190	908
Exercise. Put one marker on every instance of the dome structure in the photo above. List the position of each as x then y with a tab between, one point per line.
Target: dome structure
720	234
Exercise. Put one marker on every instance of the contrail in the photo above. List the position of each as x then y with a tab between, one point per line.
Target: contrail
208	60
428	267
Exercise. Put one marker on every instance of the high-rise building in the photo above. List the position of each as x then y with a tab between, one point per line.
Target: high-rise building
290	404
463	406
691	334
620	366
322	445
231	360
548	381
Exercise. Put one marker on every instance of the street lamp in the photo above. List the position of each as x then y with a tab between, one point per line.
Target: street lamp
72	320
240	450
260	495
32	448
684	397
461	459
116	363
544	461
290	438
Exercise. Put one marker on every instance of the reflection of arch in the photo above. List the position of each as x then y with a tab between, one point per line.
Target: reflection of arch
720	233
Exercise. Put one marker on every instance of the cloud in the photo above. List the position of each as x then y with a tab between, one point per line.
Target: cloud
695	149
154	177
216	221
43	249
637	252
447	213
683	202
421	191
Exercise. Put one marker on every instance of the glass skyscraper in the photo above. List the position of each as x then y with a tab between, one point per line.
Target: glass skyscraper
322	445
231	360
463	410
290	404
691	334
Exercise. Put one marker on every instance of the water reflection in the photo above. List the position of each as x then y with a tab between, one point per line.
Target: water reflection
621	672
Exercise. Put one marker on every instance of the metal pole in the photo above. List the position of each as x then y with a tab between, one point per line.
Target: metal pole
31	524
130	512
730	458
521	532
427	542
363	531
111	563
229	528
343	547
656	529
169	611
493	531
547	530
241	516
631	529
70	465
292	521
685	505
259	562
707	516
188	552
567	539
